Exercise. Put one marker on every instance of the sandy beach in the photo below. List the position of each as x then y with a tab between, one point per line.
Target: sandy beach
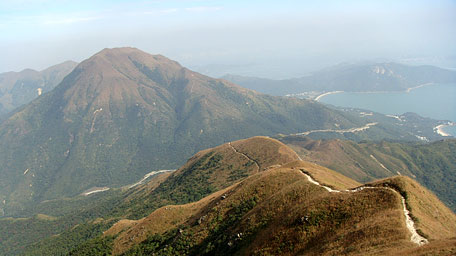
325	94
416	87
439	129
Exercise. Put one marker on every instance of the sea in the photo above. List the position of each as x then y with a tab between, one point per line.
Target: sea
437	101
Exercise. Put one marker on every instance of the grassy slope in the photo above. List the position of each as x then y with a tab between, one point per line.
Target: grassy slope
122	113
268	206
280	212
433	164
208	171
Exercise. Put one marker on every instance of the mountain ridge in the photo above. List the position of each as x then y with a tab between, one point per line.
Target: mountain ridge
219	196
123	112
360	77
241	217
19	88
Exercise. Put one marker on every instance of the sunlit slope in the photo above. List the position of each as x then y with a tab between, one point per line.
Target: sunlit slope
280	212
122	113
432	164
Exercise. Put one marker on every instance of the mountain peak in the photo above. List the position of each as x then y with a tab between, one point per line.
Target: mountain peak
120	53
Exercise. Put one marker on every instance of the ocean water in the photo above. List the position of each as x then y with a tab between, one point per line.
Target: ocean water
450	130
435	101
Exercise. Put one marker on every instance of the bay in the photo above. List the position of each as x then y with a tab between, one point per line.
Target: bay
437	101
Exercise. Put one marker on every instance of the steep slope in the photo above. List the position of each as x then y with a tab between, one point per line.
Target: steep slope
362	77
19	88
122	113
433	164
286	210
208	171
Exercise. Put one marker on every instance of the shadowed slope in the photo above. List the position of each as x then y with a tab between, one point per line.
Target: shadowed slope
19	88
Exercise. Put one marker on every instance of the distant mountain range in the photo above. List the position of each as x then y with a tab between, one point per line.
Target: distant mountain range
364	77
123	112
19	88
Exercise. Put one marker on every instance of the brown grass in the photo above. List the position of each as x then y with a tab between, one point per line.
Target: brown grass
325	176
434	219
369	222
292	216
266	151
436	248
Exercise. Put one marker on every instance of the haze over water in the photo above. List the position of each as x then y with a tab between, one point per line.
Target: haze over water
434	101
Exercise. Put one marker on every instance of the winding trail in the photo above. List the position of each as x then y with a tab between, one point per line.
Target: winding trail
415	238
246	156
96	191
353	130
147	176
381	165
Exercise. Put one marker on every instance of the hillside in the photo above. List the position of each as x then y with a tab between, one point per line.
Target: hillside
362	77
80	218
209	171
280	211
123	113
257	188
19	88
433	164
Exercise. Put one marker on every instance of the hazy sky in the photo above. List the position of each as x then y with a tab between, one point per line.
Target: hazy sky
264	38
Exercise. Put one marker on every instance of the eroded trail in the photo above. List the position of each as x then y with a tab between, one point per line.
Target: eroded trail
246	156
352	130
147	176
415	238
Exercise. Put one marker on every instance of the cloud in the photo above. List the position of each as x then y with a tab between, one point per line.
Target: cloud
159	11
166	11
204	9
68	20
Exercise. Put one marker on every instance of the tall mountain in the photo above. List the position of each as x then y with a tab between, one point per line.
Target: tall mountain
122	113
19	88
352	78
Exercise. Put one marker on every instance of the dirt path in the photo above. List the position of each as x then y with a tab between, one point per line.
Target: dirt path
415	238
96	191
246	156
353	130
147	176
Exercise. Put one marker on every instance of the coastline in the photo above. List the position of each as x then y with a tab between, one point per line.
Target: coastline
416	87
326	93
439	129
406	91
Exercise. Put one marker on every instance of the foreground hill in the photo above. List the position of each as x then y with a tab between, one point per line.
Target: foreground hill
362	77
432	164
19	88
287	210
78	219
251	196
